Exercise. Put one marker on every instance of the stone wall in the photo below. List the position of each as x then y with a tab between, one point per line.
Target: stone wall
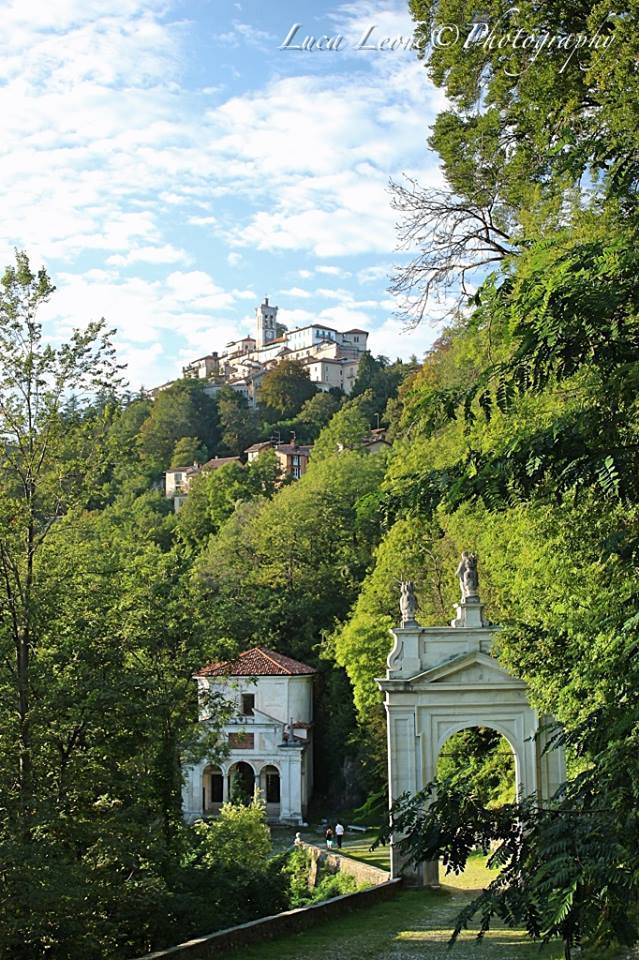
292	921
335	862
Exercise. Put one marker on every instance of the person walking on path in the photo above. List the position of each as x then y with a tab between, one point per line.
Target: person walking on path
339	834
328	836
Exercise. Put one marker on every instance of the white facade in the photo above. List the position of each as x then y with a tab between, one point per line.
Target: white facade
203	368
441	680
270	744
177	480
244	362
326	373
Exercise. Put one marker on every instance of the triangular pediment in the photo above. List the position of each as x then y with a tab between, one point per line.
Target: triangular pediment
474	668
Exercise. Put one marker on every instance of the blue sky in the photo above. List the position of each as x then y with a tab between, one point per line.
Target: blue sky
170	164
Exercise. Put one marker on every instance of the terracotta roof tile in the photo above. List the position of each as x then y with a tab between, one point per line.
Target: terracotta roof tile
257	662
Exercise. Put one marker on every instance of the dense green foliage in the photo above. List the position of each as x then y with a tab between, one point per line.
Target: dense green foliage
483	758
182	410
298	871
109	601
518	439
287	387
559	872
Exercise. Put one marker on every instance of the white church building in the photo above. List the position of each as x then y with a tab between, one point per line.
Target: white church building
269	737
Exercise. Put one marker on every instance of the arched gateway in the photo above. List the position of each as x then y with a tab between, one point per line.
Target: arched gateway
443	679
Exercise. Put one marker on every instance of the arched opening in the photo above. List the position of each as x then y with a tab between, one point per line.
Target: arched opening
271	789
481	758
212	789
241	782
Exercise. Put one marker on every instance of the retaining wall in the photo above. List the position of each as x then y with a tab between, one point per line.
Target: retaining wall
292	921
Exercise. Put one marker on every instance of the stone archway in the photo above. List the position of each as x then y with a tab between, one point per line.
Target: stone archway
492	757
212	789
271	787
241	781
443	679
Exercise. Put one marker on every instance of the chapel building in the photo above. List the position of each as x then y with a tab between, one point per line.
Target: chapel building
269	736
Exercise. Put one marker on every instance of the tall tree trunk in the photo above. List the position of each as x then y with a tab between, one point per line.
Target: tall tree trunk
25	760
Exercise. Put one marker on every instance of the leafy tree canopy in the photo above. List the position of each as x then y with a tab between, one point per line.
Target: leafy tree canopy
286	387
187	451
182	410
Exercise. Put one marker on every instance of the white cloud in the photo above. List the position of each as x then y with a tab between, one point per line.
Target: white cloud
297	293
164	254
332	271
202	221
107	155
378	271
392	339
181	309
246	34
96	121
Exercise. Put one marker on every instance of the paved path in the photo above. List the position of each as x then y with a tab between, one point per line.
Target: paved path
413	926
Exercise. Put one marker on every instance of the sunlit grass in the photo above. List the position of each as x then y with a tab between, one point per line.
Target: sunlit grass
415	925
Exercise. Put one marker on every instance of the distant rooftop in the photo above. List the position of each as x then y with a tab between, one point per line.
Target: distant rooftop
219	462
293	448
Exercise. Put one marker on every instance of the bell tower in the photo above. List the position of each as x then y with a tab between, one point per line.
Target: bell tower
266	316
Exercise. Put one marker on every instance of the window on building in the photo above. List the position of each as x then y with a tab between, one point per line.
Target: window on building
212	787
297	472
248	704
241	741
217	786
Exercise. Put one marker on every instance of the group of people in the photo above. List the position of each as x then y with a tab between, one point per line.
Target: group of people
331	835
334	835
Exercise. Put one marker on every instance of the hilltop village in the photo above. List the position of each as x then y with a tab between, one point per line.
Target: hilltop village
331	356
330	359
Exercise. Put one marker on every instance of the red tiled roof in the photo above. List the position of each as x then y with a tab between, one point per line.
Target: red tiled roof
258	662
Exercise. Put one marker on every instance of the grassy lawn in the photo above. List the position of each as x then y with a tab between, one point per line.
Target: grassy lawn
413	926
358	846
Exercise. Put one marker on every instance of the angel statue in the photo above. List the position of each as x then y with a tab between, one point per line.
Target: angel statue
468	576
407	601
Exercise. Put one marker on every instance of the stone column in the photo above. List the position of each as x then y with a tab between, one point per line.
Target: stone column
295	791
225	786
285	785
402	777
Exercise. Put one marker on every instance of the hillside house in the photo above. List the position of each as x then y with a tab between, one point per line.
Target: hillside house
177	480
292	457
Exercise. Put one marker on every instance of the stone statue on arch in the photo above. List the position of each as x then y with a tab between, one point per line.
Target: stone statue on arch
468	577
407	601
